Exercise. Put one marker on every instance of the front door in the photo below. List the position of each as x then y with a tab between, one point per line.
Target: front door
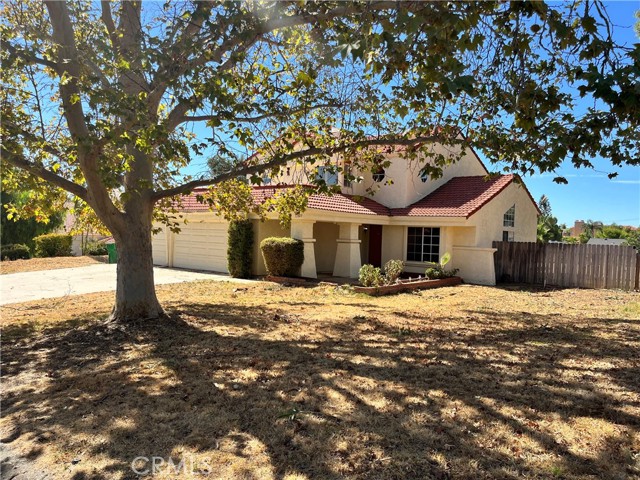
375	245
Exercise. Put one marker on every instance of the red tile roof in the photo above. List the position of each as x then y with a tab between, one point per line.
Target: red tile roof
332	203
459	197
347	204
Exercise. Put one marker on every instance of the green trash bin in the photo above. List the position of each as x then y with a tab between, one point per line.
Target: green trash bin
113	254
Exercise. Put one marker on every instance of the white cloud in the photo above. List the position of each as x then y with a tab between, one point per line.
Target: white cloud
627	182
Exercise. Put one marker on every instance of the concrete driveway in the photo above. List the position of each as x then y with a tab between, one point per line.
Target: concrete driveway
23	287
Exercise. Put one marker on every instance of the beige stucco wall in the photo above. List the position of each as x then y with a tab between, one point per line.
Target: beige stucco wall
402	184
489	219
262	230
475	264
326	235
393	238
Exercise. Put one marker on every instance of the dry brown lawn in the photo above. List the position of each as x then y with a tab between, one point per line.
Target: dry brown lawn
37	264
269	382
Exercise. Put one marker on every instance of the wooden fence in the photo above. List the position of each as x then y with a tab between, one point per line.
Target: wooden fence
568	265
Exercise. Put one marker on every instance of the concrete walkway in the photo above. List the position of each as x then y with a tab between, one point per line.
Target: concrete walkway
27	286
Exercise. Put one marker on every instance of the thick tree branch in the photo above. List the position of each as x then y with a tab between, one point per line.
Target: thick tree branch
193	27
64	37
257	118
283	159
29	58
98	73
107	18
88	149
40	171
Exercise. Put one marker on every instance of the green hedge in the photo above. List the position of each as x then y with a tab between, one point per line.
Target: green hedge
14	251
53	245
283	256
240	249
95	248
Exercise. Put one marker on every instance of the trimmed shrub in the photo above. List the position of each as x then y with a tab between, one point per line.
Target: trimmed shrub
392	271
95	248
370	276
438	271
53	245
283	256
240	249
14	251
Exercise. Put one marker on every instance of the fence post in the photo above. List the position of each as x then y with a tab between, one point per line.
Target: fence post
637	285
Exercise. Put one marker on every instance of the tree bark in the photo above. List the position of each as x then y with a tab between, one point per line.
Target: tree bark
135	289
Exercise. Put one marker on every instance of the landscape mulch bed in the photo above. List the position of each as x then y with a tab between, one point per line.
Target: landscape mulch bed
267	382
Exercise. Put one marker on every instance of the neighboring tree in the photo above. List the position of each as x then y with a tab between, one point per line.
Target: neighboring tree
548	228
105	97
591	228
633	239
86	224
18	226
612	231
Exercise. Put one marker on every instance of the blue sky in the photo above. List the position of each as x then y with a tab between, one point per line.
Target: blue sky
589	194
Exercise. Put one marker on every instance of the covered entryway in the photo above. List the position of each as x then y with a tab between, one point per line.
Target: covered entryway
326	235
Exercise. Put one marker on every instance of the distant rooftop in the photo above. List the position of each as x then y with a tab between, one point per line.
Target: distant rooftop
606	241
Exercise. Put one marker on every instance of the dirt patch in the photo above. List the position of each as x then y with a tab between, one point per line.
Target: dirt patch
267	382
55	263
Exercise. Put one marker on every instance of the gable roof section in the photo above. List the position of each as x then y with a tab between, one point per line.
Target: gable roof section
459	197
333	203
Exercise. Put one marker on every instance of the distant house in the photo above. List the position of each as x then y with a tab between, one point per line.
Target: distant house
411	217
606	241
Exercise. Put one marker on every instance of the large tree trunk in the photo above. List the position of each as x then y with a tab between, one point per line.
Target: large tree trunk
135	290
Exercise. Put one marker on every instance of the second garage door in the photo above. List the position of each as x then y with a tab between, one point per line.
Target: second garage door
201	246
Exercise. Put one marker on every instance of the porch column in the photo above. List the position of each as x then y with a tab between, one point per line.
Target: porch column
303	230
348	261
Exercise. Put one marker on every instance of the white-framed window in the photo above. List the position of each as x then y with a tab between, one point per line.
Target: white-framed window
509	219
423	244
346	179
508	236
329	175
378	174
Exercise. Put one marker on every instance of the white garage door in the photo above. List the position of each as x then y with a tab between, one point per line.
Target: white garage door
201	246
159	248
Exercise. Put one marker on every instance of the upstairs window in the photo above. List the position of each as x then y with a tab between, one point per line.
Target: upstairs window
378	174
423	244
327	174
346	178
510	217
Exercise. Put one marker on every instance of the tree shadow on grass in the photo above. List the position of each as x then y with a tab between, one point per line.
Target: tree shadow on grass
230	387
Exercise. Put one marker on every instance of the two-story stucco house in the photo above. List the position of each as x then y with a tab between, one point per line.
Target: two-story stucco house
411	218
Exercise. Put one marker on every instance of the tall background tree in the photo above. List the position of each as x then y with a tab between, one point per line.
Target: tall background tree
109	101
548	228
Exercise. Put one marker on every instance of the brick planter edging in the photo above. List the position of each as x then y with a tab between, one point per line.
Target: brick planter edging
413	285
